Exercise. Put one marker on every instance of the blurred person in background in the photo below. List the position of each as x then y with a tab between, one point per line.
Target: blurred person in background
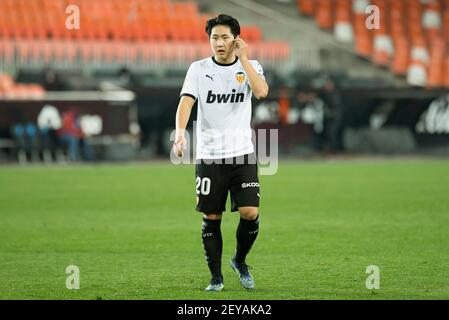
49	122
73	137
312	112
334	117
26	138
52	81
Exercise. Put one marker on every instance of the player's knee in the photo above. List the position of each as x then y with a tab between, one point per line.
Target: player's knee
212	216
249	213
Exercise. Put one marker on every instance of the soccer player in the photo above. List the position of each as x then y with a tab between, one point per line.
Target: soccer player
225	161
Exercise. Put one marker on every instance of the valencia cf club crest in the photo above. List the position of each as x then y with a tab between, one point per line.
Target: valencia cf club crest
240	77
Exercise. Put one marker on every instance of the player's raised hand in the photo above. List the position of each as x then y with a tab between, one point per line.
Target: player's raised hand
179	146
241	48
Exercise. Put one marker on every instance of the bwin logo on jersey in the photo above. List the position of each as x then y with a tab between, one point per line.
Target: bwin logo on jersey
224	98
250	185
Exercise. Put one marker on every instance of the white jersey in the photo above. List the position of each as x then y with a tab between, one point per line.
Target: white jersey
223	126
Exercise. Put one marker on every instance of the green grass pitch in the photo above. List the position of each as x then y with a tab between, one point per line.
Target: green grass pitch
133	232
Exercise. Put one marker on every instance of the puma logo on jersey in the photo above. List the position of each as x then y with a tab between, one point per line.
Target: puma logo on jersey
224	98
210	77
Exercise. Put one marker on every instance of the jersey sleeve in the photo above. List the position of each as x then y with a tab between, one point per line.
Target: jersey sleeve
257	66
190	86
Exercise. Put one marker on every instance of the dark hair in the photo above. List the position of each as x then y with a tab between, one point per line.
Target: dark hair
225	20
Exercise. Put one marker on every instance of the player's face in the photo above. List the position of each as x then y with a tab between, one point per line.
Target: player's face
222	43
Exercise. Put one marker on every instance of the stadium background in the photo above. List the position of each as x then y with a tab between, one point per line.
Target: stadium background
363	120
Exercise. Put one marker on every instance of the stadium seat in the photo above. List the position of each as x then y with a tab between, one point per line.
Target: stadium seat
343	27
251	33
419	51
436	64
432	21
446	24
414	31
324	14
363	41
417	74
37	28
397	26
435	72
400	60
383	49
364	46
306	7
198	33
446	72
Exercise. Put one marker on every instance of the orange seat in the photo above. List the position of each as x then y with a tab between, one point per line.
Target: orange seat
343	11
396	19
117	31
251	33
324	14
177	28
99	31
436	64
198	33
446	72
358	22
306	7
417	73
381	58
401	57
7	31
363	44
382	50
435	73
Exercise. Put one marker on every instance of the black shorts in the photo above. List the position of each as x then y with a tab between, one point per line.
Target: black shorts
214	181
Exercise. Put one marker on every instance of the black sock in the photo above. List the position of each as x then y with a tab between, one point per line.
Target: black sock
247	232
213	246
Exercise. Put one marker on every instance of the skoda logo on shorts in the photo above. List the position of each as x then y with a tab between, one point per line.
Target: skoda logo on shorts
250	185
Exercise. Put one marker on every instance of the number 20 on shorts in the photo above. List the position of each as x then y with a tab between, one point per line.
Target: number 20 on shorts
202	186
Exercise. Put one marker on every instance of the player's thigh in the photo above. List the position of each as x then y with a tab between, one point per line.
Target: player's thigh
245	188
211	188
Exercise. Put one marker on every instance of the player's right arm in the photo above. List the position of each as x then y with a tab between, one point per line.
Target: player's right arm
189	93
182	118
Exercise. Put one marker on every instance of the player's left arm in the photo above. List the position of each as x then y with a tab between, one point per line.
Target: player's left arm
258	85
